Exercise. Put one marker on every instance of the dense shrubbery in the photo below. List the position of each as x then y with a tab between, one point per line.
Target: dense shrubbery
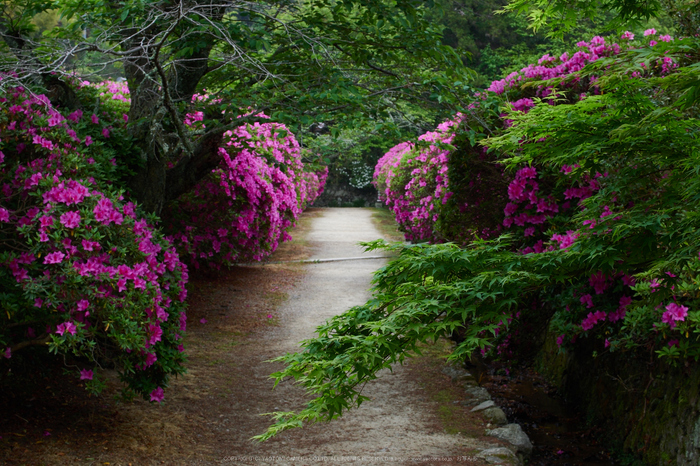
246	206
591	236
81	271
85	272
413	181
564	199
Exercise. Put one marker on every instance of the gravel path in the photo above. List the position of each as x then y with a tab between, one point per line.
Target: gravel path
237	321
394	427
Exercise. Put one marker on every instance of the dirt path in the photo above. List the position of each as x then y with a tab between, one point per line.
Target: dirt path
238	321
394	424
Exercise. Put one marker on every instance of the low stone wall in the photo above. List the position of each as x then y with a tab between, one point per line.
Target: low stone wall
649	409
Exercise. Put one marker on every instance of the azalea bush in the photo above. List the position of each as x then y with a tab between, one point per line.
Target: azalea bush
246	207
88	274
82	271
412	180
596	157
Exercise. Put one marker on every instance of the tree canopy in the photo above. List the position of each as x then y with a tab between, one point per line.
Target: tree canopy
340	62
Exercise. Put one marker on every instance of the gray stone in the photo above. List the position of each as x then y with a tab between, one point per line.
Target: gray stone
495	415
457	374
479	393
498	455
483	406
513	434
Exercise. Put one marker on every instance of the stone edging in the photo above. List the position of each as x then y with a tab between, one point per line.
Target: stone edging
480	400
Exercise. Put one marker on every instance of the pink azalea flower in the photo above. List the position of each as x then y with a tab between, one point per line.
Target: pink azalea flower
66	327
70	219
157	395
151	358
587	299
55	119
155	333
75	116
4	215
8	352
94	119
674	312
105	132
88	140
203	321
649	32
85	374
46	221
592	319
54	258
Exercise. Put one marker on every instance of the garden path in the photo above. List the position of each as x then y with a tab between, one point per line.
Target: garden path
394	426
238	320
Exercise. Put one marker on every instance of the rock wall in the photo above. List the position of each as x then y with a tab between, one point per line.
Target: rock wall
649	409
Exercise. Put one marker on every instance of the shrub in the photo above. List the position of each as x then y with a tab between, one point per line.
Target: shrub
245	208
81	270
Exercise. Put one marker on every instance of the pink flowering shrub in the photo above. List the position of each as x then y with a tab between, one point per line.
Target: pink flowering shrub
315	183
553	207
413	181
245	208
81	270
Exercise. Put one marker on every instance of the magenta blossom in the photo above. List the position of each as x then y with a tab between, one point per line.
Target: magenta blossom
66	327
674	313
85	374
54	258
157	395
70	219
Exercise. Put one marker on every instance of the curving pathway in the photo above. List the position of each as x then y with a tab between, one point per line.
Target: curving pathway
394	427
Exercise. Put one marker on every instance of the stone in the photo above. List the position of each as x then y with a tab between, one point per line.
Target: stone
479	393
483	406
457	374
495	415
513	434
498	455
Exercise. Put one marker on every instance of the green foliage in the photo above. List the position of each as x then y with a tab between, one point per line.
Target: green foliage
428	292
563	15
637	136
